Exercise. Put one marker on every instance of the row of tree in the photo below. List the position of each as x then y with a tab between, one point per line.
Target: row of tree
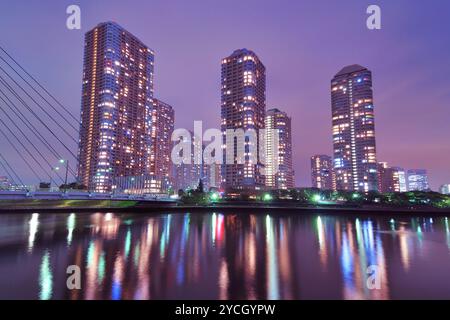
313	196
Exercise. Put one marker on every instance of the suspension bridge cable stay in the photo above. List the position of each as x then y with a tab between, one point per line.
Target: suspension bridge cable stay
43	98
11	169
39	105
36	116
26	138
38	83
16	111
21	156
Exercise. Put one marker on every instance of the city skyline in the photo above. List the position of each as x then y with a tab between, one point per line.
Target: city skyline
398	141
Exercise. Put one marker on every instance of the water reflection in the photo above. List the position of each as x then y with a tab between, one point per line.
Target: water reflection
225	256
33	229
71	223
45	278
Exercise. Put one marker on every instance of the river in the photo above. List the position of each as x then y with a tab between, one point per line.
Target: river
224	256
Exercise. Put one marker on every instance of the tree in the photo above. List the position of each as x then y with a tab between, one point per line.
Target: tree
200	187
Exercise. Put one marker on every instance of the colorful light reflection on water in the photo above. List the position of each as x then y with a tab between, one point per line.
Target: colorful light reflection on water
223	256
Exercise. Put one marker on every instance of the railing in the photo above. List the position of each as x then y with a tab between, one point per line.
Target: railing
79	195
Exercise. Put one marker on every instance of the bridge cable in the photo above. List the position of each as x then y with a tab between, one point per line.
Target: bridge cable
20	155
42	87
29	153
27	139
40	107
8	173
12	170
36	116
26	149
31	127
43	98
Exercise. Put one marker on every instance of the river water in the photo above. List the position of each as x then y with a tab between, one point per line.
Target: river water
224	256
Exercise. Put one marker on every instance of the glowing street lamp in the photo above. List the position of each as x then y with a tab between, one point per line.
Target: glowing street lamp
317	198
66	162
214	196
267	197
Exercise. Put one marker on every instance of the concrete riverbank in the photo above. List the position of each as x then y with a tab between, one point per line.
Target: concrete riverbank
64	206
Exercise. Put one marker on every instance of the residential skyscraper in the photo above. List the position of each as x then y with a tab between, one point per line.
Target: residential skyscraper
418	180
322	172
117	92
243	105
355	162
162	126
278	166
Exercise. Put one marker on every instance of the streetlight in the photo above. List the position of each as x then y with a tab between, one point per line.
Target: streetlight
317	198
214	196
66	162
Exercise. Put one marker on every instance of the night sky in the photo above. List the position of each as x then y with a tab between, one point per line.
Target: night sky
302	44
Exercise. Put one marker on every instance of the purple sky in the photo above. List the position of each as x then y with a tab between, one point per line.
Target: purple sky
302	44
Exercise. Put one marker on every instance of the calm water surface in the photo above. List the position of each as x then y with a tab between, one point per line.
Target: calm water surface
223	256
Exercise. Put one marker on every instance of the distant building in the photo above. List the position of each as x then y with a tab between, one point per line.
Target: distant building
418	180
243	105
445	189
117	93
188	175
391	179
278	166
355	162
400	179
4	183
322	172
213	176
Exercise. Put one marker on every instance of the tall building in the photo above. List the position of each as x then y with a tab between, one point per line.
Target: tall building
391	179
322	172
445	189
278	166
243	104
116	105
355	162
418	180
159	164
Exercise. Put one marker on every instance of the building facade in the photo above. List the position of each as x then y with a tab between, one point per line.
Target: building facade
117	92
188	175
391	179
399	175
278	162
322	172
353	121
243	104
418	180
159	163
